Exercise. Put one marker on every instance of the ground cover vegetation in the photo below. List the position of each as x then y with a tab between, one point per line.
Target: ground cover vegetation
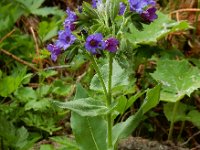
84	75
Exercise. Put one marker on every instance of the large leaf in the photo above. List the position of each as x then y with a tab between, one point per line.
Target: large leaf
184	112
124	129
179	78
90	132
9	84
156	30
181	112
119	77
84	106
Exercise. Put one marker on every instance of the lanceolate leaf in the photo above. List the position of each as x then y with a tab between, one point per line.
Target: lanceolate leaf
179	78
119	78
90	132
124	129
84	106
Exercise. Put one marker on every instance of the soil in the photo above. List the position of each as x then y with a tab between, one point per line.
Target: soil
138	143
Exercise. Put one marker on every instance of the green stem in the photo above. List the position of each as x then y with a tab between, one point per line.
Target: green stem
172	121
96	67
181	130
109	102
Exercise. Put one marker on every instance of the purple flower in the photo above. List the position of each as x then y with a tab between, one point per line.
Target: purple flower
69	21
70	25
55	51
149	15
95	42
65	39
112	44
122	8
71	16
95	3
139	5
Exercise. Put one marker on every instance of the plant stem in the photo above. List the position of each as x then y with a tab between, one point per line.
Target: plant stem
181	130
109	102
96	67
172	121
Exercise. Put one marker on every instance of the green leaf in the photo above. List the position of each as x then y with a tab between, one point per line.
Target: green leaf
119	77
25	94
155	31
65	143
194	117
40	105
9	84
84	107
60	88
124	129
46	147
179	78
181	113
47	30
152	99
90	132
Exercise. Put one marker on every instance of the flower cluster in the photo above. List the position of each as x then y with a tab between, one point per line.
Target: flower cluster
65	37
95	43
146	9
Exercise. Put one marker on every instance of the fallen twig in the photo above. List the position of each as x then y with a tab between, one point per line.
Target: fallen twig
19	59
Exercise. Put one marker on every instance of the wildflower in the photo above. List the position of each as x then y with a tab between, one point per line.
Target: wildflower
70	25
112	44
95	42
122	8
71	18
149	15
137	5
65	39
95	3
55	51
140	5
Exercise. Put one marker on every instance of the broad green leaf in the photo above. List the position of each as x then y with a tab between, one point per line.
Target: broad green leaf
194	117
90	132
119	77
181	113
9	84
84	107
155	31
179	78
40	105
26	94
124	129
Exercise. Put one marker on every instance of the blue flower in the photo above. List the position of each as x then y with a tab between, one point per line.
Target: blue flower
149	15
70	25
112	44
140	5
122	8
71	18
65	39
95	3
55	51
137	5
94	43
